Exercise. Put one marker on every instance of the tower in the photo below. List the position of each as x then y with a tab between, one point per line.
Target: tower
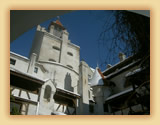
53	45
83	88
60	58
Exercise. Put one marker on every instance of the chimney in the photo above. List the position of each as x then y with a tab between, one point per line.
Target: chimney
122	56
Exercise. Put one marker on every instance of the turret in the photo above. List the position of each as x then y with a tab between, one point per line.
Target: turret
56	28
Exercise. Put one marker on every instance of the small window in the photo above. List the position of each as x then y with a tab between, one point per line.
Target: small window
35	69
69	53
56	48
12	61
47	93
52	60
70	66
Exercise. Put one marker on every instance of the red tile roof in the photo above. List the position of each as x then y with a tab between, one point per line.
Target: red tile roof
59	23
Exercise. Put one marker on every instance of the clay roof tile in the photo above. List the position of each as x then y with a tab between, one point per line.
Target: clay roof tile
59	23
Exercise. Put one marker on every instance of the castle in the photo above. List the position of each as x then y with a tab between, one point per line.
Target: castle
53	80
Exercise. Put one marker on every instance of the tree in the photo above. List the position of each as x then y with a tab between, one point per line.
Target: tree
125	32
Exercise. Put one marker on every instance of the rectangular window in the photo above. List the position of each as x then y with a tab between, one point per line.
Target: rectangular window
35	69
12	61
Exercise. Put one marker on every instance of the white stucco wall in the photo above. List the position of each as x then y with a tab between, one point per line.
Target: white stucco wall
73	60
120	79
47	51
46	107
23	94
63	108
31	109
21	62
100	93
37	42
41	71
61	74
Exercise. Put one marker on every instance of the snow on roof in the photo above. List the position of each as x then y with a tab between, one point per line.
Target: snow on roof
27	74
96	79
121	62
119	94
134	72
68	91
119	70
19	55
92	69
74	45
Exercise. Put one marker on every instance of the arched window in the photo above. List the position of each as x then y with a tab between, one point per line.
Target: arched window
47	93
69	53
52	60
55	47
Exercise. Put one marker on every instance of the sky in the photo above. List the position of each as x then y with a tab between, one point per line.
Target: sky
84	29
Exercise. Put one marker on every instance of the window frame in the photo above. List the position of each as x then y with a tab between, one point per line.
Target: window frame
12	61
52	60
47	93
56	48
70	54
35	69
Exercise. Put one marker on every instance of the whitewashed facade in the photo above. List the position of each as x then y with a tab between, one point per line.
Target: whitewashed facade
53	81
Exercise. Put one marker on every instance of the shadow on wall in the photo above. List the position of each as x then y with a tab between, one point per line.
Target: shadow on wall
68	82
